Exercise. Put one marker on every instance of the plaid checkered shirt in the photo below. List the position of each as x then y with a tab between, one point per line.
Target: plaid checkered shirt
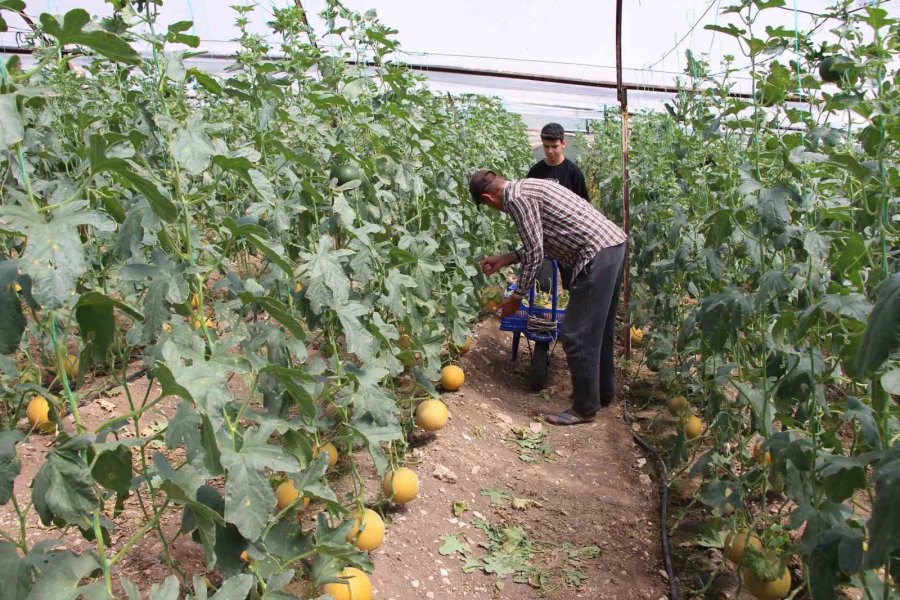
557	222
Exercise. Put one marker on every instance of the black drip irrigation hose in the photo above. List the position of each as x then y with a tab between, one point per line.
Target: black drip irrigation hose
664	502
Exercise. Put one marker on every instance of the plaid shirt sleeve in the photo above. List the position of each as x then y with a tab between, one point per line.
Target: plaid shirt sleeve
527	215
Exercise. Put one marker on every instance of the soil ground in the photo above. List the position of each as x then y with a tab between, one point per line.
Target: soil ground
586	503
588	494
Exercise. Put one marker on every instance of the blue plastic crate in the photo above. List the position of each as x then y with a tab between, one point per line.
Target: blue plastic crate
519	322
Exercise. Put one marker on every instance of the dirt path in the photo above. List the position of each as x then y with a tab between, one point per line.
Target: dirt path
589	494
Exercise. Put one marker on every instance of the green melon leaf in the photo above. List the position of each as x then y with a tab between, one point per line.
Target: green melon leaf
54	255
63	488
11	129
168	590
884	525
235	588
112	469
10	466
60	574
883	330
12	321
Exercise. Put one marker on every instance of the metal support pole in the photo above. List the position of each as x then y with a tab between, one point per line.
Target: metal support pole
622	93
309	30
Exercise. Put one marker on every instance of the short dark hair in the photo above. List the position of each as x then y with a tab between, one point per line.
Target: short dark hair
553	131
480	183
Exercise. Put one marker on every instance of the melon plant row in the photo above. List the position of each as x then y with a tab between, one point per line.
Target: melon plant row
765	257
260	241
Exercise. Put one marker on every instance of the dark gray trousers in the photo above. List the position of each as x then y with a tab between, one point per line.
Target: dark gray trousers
589	329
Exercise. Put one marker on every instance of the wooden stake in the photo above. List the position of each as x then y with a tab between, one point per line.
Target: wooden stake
622	93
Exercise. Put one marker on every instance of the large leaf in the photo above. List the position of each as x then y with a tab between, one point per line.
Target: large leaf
883	330
63	488
359	340
192	147
278	311
328	284
855	409
293	380
310	482
890	381
184	430
60	574
884	525
371	398
12	320
54	255
14	580
396	284
112	469
96	320
258	238
11	129
375	435
842	476
722	315
234	588
249	499
71	31
773	207
9	462
836	550
158	200
168	590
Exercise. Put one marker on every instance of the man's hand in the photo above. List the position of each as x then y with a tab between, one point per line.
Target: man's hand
492	264
509	306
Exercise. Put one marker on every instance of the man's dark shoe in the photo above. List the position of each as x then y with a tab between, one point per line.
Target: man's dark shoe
607	400
569	417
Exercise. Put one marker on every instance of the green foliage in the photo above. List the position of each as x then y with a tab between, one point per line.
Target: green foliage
764	259
153	206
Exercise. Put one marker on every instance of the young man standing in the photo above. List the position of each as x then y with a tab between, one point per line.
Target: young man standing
551	219
555	166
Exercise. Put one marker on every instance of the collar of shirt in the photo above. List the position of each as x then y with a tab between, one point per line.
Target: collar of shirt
506	194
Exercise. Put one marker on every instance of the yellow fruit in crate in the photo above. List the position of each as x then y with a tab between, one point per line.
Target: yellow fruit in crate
766	590
452	378
70	366
332	451
286	494
432	415
693	427
677	405
38	413
637	335
358	586
737	542
401	485
372	533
